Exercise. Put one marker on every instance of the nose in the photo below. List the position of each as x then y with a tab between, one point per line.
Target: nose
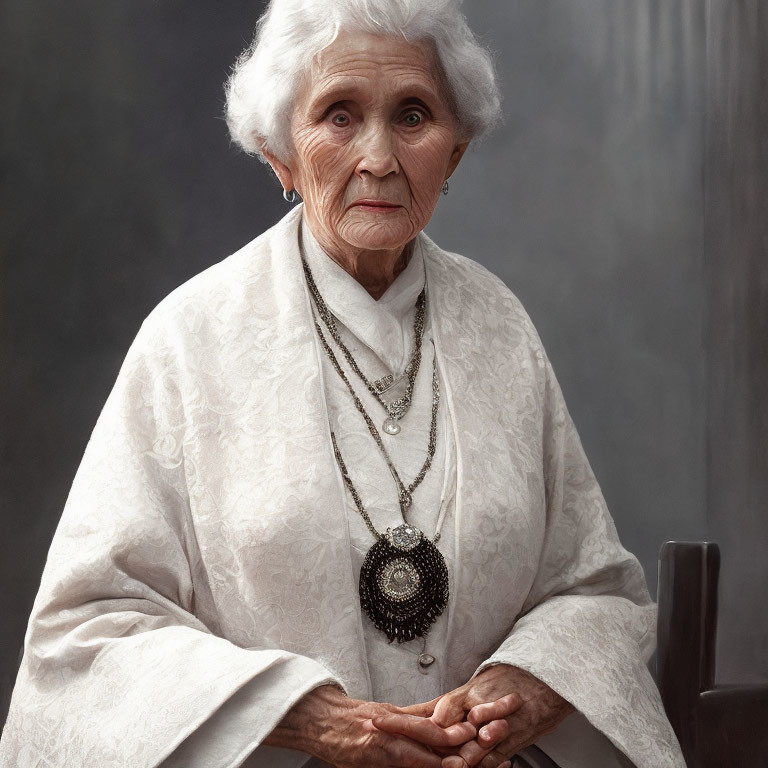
377	152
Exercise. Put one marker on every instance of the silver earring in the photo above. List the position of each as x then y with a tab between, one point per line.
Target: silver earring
290	197
445	187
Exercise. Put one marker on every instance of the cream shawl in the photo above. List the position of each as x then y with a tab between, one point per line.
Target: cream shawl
203	546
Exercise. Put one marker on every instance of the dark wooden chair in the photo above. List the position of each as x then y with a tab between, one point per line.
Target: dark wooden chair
718	726
535	757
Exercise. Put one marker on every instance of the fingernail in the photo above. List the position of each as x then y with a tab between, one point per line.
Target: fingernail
484	734
508	764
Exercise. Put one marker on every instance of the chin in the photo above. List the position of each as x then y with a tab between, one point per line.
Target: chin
377	237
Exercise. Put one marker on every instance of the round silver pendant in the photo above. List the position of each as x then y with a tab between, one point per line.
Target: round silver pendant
399	580
404	537
391	426
426	659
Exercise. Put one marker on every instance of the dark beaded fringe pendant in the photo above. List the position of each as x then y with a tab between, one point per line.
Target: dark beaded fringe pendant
421	576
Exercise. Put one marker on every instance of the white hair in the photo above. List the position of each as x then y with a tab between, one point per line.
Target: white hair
290	33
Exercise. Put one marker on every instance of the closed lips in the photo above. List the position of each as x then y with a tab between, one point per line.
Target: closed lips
375	204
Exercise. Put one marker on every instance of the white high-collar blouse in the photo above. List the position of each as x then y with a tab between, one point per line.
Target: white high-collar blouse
380	336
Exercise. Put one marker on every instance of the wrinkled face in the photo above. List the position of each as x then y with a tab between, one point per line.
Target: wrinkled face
374	139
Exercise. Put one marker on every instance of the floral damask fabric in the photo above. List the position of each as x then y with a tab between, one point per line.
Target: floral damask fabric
200	580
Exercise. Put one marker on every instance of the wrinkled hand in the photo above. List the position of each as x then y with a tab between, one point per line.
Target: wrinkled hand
339	730
510	708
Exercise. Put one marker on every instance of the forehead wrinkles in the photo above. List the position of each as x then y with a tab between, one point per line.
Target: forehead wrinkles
368	59
345	55
376	47
379	77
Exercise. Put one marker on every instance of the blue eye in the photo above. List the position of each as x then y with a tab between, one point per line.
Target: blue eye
340	119
413	119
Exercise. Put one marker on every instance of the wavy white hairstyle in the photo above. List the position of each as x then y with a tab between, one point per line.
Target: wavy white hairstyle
261	88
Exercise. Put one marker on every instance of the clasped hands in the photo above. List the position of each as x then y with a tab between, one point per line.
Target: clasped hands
482	723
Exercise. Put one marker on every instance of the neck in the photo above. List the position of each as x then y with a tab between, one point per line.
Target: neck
375	270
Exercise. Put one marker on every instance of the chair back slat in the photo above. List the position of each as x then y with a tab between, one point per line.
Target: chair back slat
687	627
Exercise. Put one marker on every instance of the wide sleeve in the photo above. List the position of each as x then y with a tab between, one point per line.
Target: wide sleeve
121	665
587	627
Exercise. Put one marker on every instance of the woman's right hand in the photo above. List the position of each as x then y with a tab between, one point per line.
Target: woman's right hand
327	724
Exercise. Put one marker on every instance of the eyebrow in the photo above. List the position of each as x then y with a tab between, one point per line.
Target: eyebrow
408	93
414	100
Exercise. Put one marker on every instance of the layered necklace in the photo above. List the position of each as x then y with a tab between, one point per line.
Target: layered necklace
399	407
404	579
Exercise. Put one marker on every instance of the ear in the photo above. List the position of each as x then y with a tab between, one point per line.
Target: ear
282	171
456	155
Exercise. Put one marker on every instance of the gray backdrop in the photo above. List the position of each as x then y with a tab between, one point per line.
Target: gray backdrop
623	201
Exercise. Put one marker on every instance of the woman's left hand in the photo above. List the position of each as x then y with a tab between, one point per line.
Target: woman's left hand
510	708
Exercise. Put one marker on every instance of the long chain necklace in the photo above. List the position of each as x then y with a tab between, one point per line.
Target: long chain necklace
404	579
399	407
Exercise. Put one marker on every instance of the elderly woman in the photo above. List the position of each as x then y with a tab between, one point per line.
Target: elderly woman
334	509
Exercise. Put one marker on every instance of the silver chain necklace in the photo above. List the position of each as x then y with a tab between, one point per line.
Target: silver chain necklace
404	579
405	494
399	407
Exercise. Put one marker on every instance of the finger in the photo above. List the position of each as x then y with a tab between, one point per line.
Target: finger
422	710
474	752
426	731
449	710
398	750
494	710
493	733
409	754
495	760
492	760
